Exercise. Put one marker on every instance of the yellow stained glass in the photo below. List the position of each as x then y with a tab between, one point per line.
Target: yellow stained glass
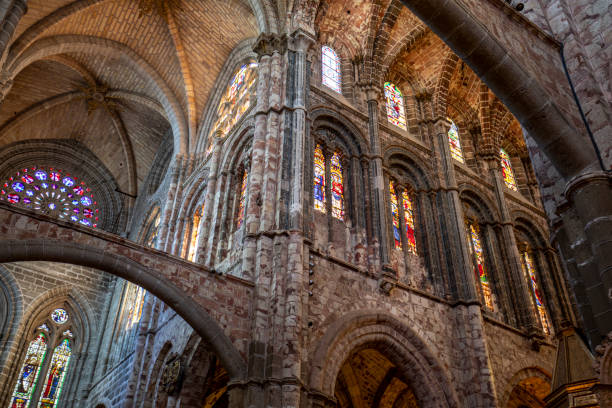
507	172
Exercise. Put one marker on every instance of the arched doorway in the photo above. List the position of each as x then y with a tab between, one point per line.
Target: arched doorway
529	393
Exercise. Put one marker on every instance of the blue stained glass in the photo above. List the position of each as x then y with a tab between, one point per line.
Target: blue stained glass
44	185
41	175
68	181
85	222
74	218
85	200
18	187
29	193
27	179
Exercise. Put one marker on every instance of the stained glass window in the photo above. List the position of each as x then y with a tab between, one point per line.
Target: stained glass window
59	316
319	179
395	105
337	190
242	199
52	192
67	333
507	172
238	97
26	382
395	216
479	264
409	220
455	143
529	270
43	327
52	387
151	228
134	300
330	69
195	233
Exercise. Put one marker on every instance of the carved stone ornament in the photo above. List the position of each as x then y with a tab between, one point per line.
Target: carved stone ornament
171	376
268	44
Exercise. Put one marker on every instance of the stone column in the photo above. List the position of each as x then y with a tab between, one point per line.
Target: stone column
522	301
380	230
7	28
163	243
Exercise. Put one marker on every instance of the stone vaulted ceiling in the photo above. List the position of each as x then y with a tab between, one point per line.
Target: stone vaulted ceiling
142	74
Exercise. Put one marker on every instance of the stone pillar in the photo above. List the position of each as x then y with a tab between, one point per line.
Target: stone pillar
522	291
163	243
380	230
7	28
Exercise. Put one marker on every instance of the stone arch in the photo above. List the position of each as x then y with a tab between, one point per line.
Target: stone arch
408	158
59	44
326	117
519	91
522	375
84	325
155	374
377	329
151	280
11	312
486	209
443	85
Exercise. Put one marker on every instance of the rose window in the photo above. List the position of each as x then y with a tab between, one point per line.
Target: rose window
52	192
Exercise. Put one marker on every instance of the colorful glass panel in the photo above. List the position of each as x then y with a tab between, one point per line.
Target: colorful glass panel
195	233
26	382
242	200
330	69
537	296
395	105
455	143
59	316
479	268
395	216
337	190
409	220
134	300
238	97
52	192
52	387
319	179
507	172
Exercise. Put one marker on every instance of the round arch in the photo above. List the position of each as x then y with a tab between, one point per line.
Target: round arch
191	311
364	329
525	374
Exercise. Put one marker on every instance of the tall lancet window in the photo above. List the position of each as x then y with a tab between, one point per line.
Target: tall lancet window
507	172
52	387
195	234
319	179
337	181
395	216
330	69
30	370
395	105
530	274
409	220
242	199
455	143
475	246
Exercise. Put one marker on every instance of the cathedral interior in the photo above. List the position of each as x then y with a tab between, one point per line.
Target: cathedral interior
305	203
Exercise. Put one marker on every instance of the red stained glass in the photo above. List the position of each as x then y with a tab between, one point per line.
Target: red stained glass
319	179
29	373
337	187
409	219
52	387
529	270
507	172
395	105
395	216
455	143
479	268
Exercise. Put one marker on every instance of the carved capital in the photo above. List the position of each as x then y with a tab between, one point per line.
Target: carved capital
268	44
301	40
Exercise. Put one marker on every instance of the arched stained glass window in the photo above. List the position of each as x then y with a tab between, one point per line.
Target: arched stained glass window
134	300
52	192
479	263
319	179
242	199
409	220
395	216
395	105
337	189
455	143
151	227
530	274
507	172
330	69
52	387
195	233
26	382
238	97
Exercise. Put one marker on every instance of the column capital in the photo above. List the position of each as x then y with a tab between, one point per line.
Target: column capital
301	40
268	44
373	93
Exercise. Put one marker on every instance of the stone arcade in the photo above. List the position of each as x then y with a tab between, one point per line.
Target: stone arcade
305	203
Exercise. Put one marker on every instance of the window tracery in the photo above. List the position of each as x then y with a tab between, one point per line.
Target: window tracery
337	180
28	376
52	192
409	220
530	274
328	169
475	246
319	179
52	387
236	100
507	172
395	216
402	214
330	68
395	105
455	143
